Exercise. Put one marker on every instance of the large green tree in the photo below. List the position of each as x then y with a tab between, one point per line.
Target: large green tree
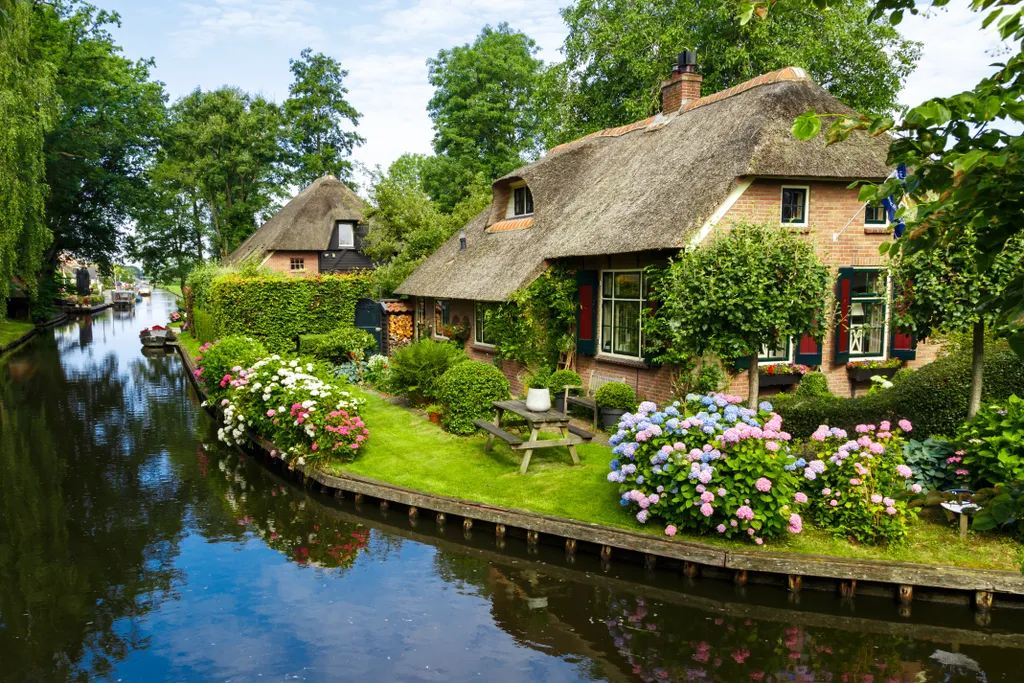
105	134
27	108
617	53
485	111
164	237
316	110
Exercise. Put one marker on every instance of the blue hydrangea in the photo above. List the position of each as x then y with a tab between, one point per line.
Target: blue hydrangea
614	464
707	400
789	468
765	406
658	418
672	423
623	502
672	410
616	439
721	402
708	429
640	479
801	463
657	469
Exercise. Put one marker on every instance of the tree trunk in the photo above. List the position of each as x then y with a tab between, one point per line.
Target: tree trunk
977	369
753	382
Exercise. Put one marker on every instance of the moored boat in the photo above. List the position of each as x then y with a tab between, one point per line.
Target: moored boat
154	336
123	298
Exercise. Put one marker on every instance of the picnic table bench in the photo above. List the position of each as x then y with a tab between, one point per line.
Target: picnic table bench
587	401
546	421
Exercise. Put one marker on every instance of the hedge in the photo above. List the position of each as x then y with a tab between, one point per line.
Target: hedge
204	325
338	345
933	398
278	309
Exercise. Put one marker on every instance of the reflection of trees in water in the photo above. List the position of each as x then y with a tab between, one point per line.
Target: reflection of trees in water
87	540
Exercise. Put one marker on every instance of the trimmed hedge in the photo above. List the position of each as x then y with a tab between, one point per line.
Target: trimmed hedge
337	346
278	309
204	326
615	396
467	391
933	398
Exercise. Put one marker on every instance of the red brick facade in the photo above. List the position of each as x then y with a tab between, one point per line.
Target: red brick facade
830	207
281	261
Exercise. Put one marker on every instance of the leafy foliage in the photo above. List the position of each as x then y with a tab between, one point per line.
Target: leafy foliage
813	383
378	369
994	441
560	379
337	346
416	369
928	461
1002	508
615	396
467	390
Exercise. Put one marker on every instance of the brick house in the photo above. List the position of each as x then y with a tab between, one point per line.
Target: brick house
619	200
321	230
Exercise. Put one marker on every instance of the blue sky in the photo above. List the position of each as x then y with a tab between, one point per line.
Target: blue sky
384	46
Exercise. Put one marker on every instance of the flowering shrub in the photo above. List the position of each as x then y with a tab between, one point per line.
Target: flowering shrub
784	369
308	420
992	444
856	482
217	358
175	317
376	369
710	466
874	364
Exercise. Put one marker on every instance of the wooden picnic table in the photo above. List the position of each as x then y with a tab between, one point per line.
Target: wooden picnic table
547	421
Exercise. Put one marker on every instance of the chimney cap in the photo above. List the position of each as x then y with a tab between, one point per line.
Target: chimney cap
687	61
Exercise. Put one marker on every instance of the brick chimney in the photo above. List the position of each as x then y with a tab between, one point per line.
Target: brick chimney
683	85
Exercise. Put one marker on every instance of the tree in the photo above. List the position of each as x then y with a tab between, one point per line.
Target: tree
617	53
942	288
315	110
105	134
965	155
163	238
484	109
751	287
27	110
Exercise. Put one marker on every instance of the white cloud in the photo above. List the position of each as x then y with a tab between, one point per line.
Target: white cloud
208	23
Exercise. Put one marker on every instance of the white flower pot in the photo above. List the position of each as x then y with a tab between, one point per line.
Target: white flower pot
538	400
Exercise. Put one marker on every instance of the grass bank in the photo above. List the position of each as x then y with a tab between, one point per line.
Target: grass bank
173	289
405	449
12	330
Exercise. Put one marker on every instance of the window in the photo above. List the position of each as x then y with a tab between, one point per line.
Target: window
522	201
875	215
421	315
779	352
346	235
868	313
623	295
441	317
794	205
298	263
481	333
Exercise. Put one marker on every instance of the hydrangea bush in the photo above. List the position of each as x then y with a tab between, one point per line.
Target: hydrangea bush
856	482
308	420
709	465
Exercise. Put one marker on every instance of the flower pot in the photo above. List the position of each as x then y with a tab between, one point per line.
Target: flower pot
610	417
538	400
560	402
434	417
767	380
865	374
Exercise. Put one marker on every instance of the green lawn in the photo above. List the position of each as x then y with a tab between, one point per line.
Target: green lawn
173	289
10	330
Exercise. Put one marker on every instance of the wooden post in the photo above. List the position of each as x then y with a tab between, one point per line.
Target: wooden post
606	552
499	530
533	537
467	523
413	512
440	519
963	527
740	577
338	493
570	546
650	560
691	569
794	582
904	610
905	594
847	589
983	600
384	505
359	498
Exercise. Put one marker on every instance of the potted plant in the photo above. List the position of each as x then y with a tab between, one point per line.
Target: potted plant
434	413
559	381
781	374
864	370
538	396
457	330
614	399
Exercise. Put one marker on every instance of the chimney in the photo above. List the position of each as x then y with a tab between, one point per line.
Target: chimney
683	85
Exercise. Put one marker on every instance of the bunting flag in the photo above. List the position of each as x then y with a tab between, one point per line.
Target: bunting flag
891	205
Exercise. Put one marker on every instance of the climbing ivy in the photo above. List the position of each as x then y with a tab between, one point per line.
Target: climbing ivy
537	324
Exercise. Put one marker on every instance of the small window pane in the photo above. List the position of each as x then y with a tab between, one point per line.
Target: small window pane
606	286
529	200
867	328
626	335
627	286
874	215
519	196
346	235
867	283
606	326
794	202
777	351
482	334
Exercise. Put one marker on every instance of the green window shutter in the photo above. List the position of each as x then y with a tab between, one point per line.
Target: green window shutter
586	329
808	351
842	327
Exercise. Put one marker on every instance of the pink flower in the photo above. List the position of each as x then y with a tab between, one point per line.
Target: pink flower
855	482
800	497
733	523
763	485
759	541
905	425
904	471
314	447
833	502
670	530
876	498
707	497
826	492
750	532
884	425
721	493
720	528
744	512
271	412
962	473
771	445
916	488
890	510
706	509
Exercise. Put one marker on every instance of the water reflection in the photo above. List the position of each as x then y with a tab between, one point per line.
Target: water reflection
133	547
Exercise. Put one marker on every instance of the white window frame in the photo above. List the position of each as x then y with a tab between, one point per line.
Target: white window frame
807	205
352	227
885	218
600	312
293	260
511	208
788	358
477	323
437	332
887	301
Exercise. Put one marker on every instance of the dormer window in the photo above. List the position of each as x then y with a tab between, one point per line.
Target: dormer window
344	235
521	201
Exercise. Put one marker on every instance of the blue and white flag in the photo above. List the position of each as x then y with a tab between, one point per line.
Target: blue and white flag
891	205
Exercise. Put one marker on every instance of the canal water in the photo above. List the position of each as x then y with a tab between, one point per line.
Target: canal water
134	548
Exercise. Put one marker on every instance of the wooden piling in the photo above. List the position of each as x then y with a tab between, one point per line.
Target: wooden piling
650	560
467	523
499	530
905	594
384	505
533	537
847	589
691	570
740	577
794	582
358	498
983	600
570	546
440	519
606	552
413	512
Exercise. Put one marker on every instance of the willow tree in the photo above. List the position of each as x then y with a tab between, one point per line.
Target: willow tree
751	287
27	109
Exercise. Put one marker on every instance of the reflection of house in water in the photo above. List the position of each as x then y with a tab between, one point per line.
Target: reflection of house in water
85	331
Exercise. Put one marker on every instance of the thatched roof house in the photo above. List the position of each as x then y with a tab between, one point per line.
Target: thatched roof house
321	228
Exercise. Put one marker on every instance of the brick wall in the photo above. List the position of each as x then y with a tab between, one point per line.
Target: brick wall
281	261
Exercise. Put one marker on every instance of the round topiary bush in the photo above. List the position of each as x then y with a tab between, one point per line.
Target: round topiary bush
467	391
417	369
560	379
813	384
215	366
615	396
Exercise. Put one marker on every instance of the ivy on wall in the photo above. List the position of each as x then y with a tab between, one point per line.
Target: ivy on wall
537	324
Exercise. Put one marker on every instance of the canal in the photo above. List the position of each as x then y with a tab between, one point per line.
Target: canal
134	548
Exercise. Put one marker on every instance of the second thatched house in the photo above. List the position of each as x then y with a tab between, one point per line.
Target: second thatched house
321	230
621	199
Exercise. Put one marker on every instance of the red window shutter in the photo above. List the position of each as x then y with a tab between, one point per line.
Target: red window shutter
808	351
587	313
586	332
843	286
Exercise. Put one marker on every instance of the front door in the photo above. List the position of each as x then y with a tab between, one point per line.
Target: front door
368	317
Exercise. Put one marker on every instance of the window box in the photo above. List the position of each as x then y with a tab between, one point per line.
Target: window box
863	371
781	374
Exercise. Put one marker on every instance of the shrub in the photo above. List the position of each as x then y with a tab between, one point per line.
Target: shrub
538	378
708	466
994	444
856	482
467	391
1002	508
901	375
929	459
205	326
417	368
346	372
337	346
615	396
199	280
560	379
813	383
377	369
221	360
933	398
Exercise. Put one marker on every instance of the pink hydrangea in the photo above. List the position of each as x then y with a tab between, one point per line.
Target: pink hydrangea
876	499
759	540
904	471
855	482
707	497
890	510
744	512
826	492
763	485
905	425
720	528
771	445
800	497
885	425
706	509
916	488
721	493
833	502
670	530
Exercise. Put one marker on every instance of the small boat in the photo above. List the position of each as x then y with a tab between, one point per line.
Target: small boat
154	336
123	298
144	289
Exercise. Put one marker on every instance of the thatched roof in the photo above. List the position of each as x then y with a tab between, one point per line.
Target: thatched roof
305	223
647	186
